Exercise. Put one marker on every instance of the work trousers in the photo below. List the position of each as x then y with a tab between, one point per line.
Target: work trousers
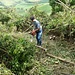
38	37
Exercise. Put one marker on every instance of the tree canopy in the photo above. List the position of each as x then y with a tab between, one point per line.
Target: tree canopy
56	7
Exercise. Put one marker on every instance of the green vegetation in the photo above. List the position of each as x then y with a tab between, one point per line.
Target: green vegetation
21	9
8	2
44	7
4	70
43	1
56	4
23	6
19	56
18	52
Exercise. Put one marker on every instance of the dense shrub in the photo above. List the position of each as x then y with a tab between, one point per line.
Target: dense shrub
56	5
16	54
22	23
64	23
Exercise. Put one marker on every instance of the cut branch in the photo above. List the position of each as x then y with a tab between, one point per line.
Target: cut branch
50	55
41	48
61	59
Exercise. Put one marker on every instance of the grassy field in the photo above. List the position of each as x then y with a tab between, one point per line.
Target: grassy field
45	7
43	1
22	7
12	2
39	1
7	2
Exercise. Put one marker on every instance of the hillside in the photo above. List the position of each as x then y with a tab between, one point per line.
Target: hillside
15	2
19	55
8	2
22	8
23	5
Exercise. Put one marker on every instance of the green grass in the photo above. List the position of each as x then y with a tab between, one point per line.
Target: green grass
27	6
42	7
21	12
39	1
7	2
1	7
24	5
12	2
43	1
45	7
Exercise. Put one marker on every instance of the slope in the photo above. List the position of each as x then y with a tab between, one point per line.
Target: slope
12	2
9	2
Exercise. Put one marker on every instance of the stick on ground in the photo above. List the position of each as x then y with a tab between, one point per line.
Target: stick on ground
61	59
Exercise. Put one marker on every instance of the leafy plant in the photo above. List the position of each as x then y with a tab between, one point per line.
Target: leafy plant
18	54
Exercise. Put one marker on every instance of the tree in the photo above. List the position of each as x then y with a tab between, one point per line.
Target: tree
56	7
72	2
4	17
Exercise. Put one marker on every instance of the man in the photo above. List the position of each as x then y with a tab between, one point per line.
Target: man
37	28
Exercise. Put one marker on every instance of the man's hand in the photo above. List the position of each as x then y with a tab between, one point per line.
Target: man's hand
33	32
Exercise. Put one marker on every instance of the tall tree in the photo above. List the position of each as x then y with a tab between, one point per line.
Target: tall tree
56	7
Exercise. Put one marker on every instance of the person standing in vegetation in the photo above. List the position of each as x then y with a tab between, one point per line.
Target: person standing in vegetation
37	28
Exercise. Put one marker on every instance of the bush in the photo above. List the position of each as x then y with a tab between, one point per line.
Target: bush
16	54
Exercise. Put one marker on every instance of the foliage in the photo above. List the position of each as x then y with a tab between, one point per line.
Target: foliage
72	2
4	70
22	23
7	18
18	54
4	17
7	15
56	6
39	15
25	22
3	28
65	23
